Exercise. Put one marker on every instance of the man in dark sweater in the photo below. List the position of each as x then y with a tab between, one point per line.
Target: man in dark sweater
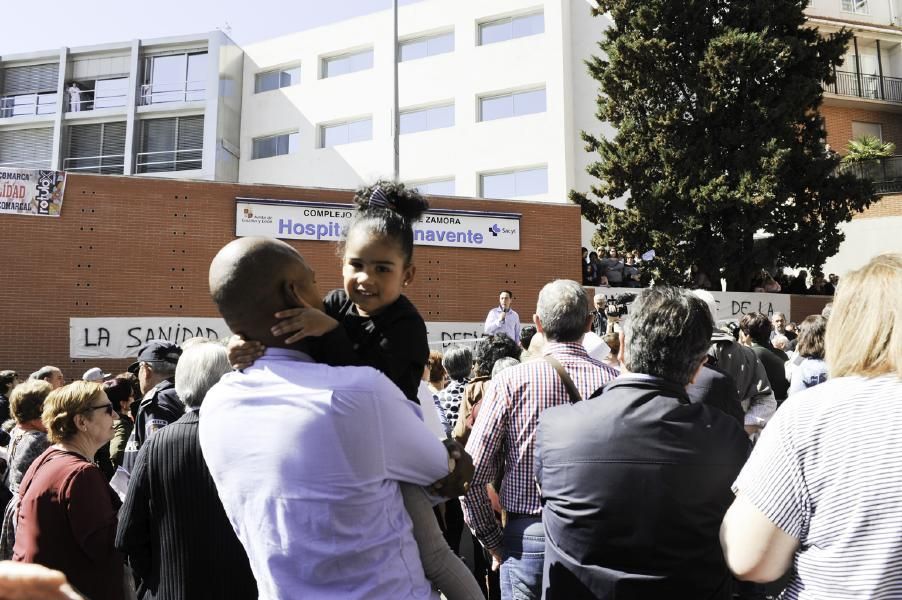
173	526
635	483
756	329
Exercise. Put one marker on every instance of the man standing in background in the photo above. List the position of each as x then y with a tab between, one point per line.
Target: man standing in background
503	319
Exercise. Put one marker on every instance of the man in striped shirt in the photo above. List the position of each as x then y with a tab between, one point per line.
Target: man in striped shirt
503	437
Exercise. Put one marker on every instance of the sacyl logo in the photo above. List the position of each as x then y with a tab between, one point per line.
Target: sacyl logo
494	230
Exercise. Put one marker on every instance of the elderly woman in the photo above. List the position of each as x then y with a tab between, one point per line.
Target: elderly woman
458	363
173	526
822	490
812	370
67	512
28	441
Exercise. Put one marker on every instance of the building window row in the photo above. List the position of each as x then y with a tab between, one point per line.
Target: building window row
855	6
514	183
276	145
489	32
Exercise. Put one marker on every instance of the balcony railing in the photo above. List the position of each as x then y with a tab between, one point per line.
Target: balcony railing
94	103
27	164
108	164
885	173
27	104
168	160
186	91
873	87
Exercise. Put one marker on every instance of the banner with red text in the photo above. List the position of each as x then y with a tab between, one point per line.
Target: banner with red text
31	192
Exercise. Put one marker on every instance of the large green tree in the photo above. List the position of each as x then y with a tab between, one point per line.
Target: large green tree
718	138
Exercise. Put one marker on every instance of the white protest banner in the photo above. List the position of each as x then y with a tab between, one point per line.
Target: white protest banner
730	305
442	334
322	221
31	192
121	337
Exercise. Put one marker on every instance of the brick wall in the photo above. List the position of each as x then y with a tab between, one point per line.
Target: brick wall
838	120
129	246
885	206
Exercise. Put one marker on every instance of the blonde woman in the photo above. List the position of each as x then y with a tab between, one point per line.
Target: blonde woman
822	491
67	512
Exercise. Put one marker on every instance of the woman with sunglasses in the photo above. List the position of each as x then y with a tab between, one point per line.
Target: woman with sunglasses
67	512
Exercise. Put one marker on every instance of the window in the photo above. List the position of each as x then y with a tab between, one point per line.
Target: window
276	145
347	63
509	28
174	144
423	119
860	130
513	104
513	184
110	93
426	46
347	132
855	6
174	78
96	148
440	187
29	90
26	148
279	78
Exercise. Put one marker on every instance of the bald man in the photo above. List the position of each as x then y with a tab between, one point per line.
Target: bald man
312	490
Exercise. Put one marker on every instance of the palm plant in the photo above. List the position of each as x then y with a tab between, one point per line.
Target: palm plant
868	147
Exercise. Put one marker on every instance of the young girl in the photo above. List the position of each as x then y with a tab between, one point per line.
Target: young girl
370	322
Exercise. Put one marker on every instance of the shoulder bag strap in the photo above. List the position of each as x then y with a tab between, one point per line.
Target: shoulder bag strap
568	383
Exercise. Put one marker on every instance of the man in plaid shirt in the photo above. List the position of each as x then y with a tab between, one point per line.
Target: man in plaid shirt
503	437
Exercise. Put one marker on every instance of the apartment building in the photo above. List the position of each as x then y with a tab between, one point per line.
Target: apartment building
866	99
164	107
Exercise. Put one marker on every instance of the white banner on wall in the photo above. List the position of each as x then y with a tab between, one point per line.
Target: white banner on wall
121	337
442	334
730	305
31	192
319	221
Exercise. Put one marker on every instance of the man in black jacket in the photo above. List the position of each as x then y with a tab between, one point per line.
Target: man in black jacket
160	404
635	483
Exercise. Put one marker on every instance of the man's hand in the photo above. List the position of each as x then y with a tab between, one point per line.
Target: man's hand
497	558
301	322
242	352
458	482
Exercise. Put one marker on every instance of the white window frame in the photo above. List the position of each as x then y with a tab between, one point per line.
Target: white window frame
416	184
510	19
324	60
278	70
287	134
322	127
512	171
408	111
426	38
511	93
879	127
863	9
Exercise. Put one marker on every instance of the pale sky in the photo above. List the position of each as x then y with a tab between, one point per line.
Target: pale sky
34	25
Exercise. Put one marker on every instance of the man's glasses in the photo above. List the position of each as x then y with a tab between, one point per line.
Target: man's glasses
107	407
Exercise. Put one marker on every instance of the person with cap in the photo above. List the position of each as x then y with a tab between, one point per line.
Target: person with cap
160	405
95	374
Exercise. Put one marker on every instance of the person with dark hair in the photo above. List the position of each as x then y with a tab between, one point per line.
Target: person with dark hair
503	436
635	483
526	334
333	504
813	369
434	377
489	349
458	363
503	318
755	331
799	284
28	441
121	393
8	380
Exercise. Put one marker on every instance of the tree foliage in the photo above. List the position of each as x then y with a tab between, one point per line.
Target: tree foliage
718	138
868	147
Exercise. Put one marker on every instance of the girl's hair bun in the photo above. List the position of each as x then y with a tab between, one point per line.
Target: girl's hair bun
393	196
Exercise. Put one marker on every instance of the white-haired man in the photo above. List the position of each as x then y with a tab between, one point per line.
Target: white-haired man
503	437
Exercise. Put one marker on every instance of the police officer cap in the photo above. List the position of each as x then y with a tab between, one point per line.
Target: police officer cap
156	351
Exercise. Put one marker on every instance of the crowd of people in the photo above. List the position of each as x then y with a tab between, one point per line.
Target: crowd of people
611	268
326	452
800	284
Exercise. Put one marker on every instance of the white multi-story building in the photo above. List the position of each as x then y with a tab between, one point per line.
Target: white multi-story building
492	100
162	107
